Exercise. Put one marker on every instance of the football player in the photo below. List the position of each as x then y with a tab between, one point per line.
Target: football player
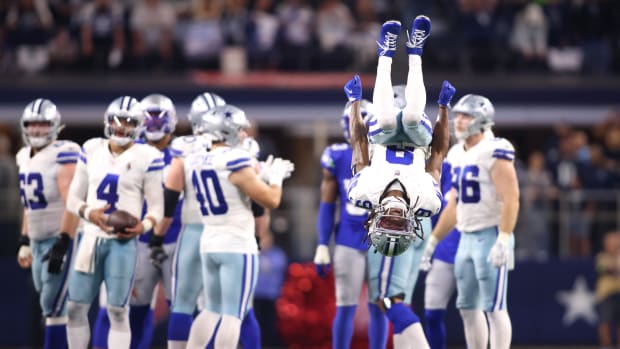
483	205
186	285
351	243
46	167
225	181
112	174
397	185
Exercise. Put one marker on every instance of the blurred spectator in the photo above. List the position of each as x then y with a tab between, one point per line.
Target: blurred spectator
234	19
263	29
10	211
364	36
529	36
297	34
203	37
608	289
476	23
152	25
102	34
595	21
334	25
272	268
29	26
537	190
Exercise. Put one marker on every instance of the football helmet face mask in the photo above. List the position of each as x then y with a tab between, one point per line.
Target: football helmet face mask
223	124
481	113
365	109
160	116
201	104
391	227
123	120
40	123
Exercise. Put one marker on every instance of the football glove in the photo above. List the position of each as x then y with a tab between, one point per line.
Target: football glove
353	89
276	170
446	94
56	255
427	255
500	253
322	261
158	254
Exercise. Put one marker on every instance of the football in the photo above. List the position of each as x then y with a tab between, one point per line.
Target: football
121	219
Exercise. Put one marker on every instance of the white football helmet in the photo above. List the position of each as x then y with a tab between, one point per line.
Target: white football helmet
391	226
365	109
202	103
482	111
223	123
123	120
160	116
40	111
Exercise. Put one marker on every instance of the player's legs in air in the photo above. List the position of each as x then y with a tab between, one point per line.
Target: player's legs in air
185	285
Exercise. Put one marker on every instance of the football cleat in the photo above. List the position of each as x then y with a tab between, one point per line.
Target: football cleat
388	38
420	30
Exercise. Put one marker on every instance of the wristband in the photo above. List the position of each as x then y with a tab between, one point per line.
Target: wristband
156	240
87	211
503	236
432	242
147	224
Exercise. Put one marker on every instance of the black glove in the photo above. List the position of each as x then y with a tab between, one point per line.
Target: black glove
56	255
22	241
158	255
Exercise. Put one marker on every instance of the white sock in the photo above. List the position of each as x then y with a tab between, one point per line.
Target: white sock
202	329
177	344
383	95
415	92
412	337
476	330
228	333
78	330
120	330
500	329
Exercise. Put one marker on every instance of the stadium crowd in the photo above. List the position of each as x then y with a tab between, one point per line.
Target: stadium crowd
555	36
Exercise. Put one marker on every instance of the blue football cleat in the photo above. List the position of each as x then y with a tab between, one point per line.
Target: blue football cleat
420	30
388	38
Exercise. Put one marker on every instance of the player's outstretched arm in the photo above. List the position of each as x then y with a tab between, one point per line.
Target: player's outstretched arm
445	224
267	194
504	176
174	184
441	133
325	222
359	132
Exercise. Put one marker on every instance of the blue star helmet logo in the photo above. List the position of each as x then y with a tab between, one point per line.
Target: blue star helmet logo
228	114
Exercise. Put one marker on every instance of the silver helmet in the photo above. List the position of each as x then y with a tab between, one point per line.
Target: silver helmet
391	226
399	96
480	109
160	116
123	120
250	145
365	109
202	103
40	111
223	123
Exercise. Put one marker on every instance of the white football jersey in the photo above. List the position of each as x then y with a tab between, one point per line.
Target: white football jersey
478	205
123	181
226	211
182	147
407	164
38	183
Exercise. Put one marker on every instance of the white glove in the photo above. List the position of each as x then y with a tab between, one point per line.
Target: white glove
280	170
427	255
24	252
265	169
322	262
501	253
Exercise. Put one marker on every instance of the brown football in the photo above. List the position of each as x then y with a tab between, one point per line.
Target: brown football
121	219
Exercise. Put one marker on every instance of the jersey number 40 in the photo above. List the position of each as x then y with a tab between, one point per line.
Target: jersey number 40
209	191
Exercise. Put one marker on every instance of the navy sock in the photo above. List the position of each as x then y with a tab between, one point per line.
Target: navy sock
179	325
401	317
378	328
250	332
140	324
55	337
435	328
342	328
101	329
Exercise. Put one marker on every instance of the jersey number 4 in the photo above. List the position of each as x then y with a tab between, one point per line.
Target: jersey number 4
108	191
465	181
209	190
36	200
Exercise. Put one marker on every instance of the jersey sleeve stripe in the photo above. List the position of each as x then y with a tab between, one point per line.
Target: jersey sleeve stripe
155	168
504	154
66	161
232	163
63	154
239	167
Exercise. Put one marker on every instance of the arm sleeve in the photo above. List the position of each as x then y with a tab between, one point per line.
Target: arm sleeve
153	192
325	222
79	186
